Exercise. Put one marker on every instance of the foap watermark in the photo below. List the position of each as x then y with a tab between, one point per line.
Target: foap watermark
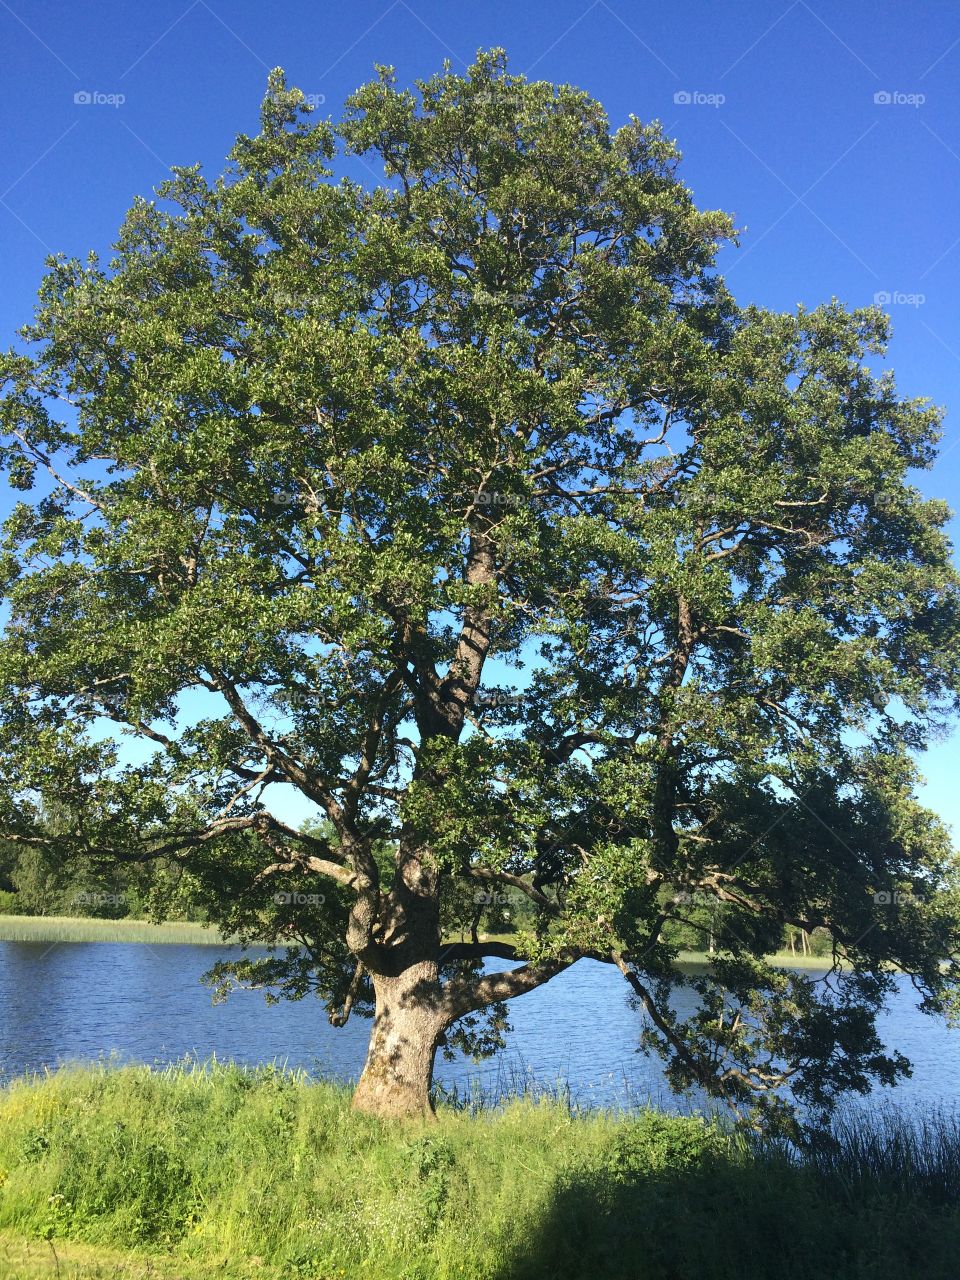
502	93
697	98
496	898
485	297
498	698
98	899
501	500
895	98
293	301
898	298
695	898
308	99
299	899
892	897
96	98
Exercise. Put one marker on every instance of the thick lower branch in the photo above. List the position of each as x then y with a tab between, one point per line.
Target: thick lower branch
478	951
463	997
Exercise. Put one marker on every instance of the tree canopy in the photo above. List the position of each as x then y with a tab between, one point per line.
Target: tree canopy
471	506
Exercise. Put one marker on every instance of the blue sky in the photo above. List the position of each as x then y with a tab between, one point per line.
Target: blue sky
830	133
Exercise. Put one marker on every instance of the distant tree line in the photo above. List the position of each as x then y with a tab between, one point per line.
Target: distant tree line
39	881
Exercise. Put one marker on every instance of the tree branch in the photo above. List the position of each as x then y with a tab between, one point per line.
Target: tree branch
463	996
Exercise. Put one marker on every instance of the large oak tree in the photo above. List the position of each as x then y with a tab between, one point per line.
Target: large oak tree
470	506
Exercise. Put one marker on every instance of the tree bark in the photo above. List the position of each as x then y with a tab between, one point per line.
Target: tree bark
408	1023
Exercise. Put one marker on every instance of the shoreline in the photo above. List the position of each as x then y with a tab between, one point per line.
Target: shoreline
17	928
14	928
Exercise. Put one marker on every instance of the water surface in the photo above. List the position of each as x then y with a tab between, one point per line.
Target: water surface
80	1001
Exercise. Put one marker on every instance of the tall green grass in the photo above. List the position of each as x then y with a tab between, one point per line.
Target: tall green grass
89	929
239	1173
785	959
14	928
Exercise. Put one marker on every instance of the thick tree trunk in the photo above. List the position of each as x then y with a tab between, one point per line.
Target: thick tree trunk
407	1027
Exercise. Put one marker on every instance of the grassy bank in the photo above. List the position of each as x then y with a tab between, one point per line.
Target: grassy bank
91	929
195	1173
785	959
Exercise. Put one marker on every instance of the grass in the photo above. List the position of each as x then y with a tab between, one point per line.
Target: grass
786	959
195	1172
793	960
49	1259
91	929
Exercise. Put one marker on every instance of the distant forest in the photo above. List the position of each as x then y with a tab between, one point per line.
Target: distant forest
41	881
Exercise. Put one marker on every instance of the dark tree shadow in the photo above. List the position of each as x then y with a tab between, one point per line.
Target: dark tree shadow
726	1219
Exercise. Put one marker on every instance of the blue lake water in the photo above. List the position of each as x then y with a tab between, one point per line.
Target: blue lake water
80	1001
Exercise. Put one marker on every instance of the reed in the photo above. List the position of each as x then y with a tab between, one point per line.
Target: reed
89	929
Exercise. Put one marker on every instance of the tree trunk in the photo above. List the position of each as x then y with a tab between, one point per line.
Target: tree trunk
407	1027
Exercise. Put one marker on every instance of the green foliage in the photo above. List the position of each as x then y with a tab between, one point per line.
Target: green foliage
218	1170
39	882
43	879
310	470
662	1144
431	1160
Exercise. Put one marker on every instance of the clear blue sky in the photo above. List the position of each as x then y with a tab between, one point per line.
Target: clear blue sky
838	194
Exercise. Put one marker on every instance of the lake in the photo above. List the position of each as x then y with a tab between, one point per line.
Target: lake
79	1001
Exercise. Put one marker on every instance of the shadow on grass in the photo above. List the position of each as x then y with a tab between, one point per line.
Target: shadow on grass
746	1217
